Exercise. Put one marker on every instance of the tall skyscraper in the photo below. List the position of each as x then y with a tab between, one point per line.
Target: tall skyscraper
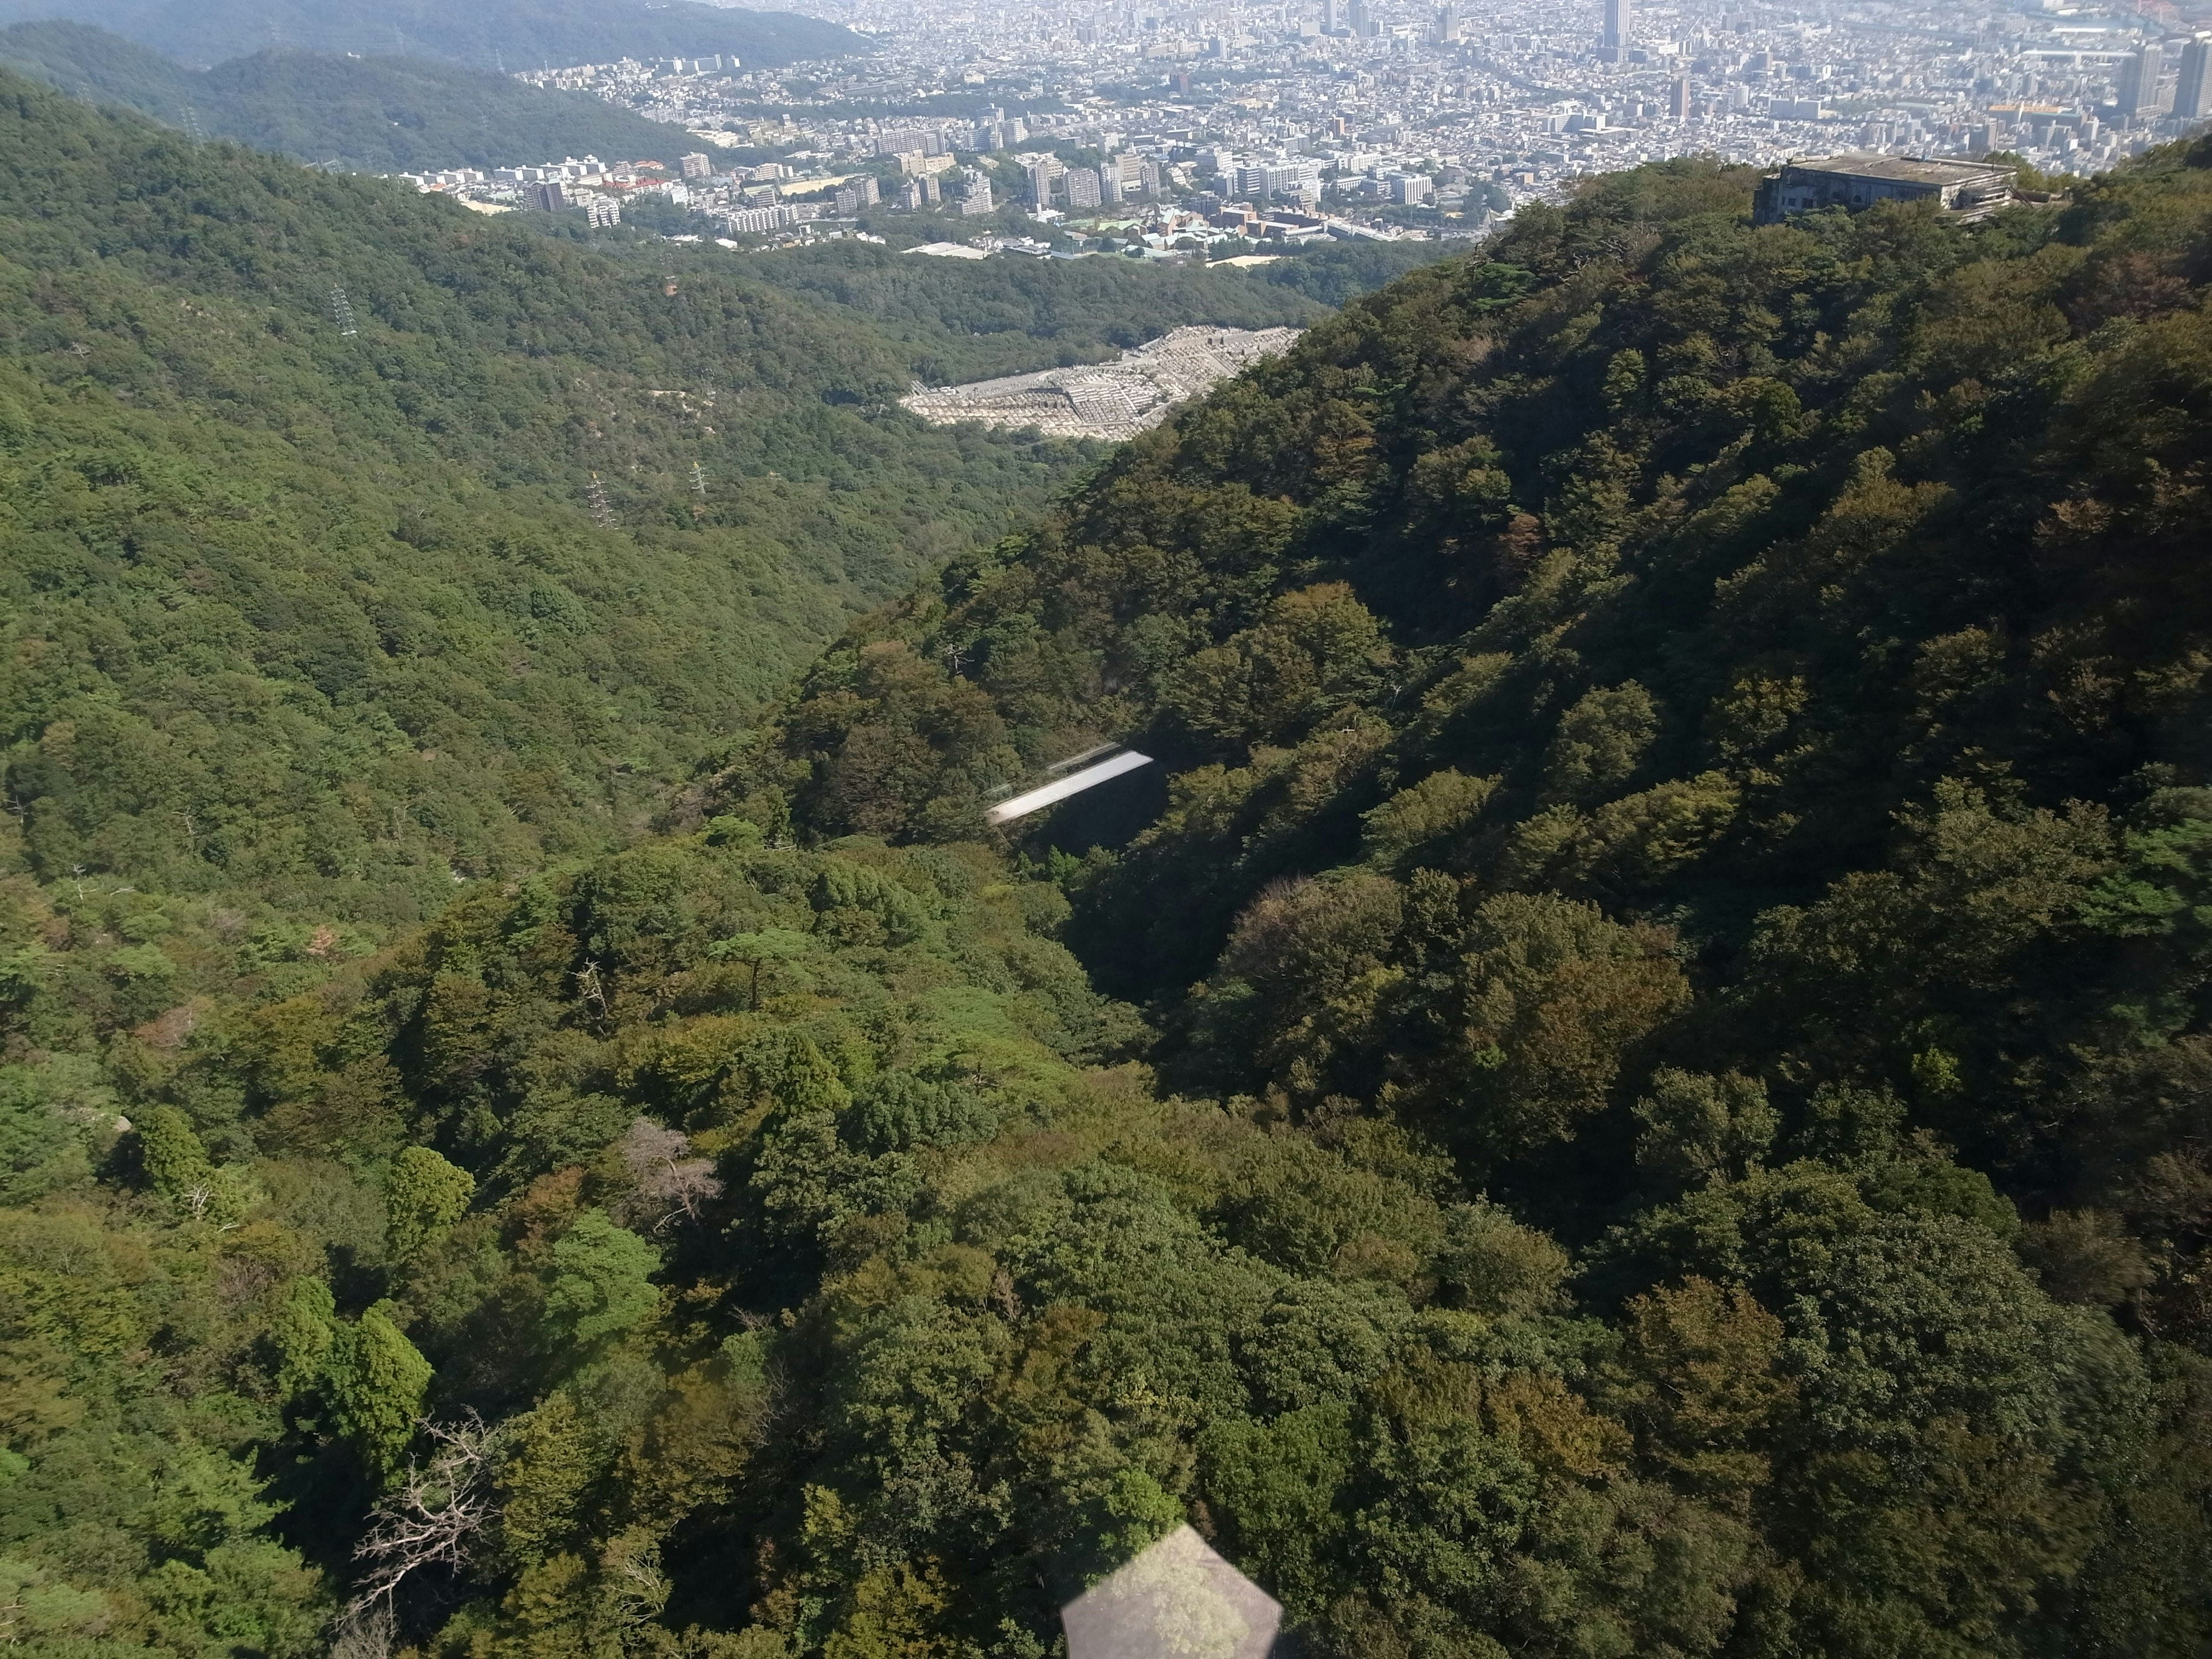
2138	93
2193	96
1619	24
1329	22
1678	99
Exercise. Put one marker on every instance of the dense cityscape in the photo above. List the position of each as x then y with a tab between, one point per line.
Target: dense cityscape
1154	132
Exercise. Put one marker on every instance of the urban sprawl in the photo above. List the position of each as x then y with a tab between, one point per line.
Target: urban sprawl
1155	132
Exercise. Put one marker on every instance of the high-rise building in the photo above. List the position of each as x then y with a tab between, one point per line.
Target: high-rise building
1284	176
1678	99
899	141
1081	184
1329	22
1619	24
550	197
1448	28
1041	171
756	220
1355	16
695	164
2192	94
2137	91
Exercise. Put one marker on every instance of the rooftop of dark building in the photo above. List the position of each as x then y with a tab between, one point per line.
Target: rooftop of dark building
1901	169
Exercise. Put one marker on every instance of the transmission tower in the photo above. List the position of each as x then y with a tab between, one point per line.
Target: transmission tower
193	130
698	481
598	496
342	312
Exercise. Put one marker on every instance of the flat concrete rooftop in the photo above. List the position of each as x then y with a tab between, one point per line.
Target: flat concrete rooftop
1901	169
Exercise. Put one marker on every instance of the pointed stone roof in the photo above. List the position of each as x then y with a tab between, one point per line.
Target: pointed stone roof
1178	1600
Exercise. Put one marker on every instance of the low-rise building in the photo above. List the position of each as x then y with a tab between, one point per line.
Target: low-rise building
1970	190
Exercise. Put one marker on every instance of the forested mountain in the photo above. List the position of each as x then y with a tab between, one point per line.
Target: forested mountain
492	34
375	114
1674	1117
1705	726
338	616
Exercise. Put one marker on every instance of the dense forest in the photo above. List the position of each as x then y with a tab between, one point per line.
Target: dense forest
492	35
1635	1084
362	545
1703	729
371	114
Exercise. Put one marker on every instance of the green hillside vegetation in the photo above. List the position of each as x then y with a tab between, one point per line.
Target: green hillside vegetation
356	114
1704	725
329	621
258	562
1335	272
1672	1120
968	319
499	35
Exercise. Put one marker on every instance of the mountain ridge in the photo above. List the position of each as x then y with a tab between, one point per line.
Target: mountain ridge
361	114
204	32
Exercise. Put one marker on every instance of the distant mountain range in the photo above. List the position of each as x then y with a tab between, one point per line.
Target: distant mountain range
368	114
492	34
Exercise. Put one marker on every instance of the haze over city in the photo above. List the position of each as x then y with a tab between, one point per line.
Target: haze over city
1378	118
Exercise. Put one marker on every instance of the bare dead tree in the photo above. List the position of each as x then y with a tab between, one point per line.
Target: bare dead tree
636	1588
431	1518
589	988
364	1633
667	1180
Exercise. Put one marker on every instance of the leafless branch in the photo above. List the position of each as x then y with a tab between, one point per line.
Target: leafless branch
593	991
631	1565
667	1180
431	1518
364	1632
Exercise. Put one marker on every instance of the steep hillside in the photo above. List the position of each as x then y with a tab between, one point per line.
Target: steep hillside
1678	931
497	35
1698	572
1667	711
373	114
340	617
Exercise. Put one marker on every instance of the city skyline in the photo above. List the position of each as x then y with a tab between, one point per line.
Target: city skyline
1409	118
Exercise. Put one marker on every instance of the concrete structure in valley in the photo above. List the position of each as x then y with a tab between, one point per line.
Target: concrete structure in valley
1108	401
1971	190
